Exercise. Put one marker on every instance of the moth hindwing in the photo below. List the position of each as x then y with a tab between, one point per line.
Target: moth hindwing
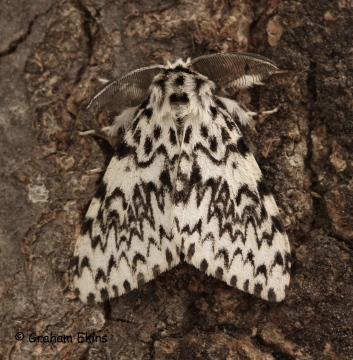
182	181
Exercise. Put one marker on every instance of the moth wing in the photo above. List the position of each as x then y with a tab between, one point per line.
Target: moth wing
226	217
125	239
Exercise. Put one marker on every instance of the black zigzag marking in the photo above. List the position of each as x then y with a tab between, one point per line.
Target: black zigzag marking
161	150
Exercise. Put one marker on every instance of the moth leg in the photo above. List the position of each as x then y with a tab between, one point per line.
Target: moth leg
96	171
267	112
94	132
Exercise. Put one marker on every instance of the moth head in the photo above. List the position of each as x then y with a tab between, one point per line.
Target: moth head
229	70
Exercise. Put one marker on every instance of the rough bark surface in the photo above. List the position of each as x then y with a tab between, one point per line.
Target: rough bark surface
52	54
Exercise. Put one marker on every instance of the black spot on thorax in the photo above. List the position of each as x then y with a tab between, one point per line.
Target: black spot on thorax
182	98
179	81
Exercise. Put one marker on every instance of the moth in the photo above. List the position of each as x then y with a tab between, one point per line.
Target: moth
182	181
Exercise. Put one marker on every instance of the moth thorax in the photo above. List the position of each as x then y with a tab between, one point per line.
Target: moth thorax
177	97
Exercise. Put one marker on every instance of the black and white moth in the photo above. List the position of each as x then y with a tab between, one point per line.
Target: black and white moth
182	181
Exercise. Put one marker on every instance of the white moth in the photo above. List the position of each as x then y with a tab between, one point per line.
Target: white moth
182	181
